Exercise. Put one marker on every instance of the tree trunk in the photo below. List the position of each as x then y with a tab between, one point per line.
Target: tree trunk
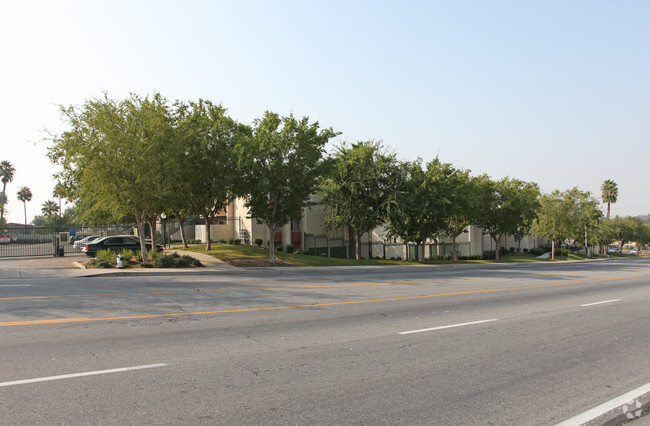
139	219
553	250
418	249
497	244
2	207
152	227
181	223
208	222
358	251
350	243
454	251
272	231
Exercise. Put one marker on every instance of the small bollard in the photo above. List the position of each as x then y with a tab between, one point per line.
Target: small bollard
120	261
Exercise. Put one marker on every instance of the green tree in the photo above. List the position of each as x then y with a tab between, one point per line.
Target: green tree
426	201
116	155
506	206
464	208
582	216
7	172
625	229
281	165
206	174
609	193
550	222
358	189
59	193
25	195
3	202
49	208
642	236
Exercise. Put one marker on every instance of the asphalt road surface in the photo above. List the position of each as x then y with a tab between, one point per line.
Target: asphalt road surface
514	344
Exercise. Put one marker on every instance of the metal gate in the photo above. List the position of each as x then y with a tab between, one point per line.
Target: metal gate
51	241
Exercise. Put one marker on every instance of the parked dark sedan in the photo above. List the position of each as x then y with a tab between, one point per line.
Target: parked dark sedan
116	243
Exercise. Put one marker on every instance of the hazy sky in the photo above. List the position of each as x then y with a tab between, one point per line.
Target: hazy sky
555	92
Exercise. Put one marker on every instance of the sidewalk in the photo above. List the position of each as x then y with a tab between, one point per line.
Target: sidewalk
70	267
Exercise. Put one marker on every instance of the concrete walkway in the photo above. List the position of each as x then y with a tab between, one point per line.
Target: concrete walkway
71	266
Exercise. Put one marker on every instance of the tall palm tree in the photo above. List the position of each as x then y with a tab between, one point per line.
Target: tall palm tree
49	208
58	193
7	171
3	201
609	192
25	195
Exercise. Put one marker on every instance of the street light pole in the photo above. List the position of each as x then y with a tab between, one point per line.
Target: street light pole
163	216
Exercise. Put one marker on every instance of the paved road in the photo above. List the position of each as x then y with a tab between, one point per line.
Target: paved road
539	344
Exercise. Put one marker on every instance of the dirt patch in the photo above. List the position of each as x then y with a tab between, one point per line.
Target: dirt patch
256	262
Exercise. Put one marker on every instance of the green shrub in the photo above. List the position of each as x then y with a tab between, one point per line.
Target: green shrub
561	252
236	241
127	256
231	241
489	254
278	248
163	261
525	250
194	242
440	257
258	242
146	265
153	254
100	263
107	255
289	248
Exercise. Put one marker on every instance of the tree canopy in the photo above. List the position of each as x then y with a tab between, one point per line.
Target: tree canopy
280	165
505	206
358	188
609	193
116	156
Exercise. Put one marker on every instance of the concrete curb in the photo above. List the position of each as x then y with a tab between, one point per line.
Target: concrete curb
289	270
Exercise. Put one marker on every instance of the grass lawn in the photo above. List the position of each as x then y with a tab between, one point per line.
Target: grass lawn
243	255
234	253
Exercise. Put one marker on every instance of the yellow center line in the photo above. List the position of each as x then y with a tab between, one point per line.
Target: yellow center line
143	293
310	305
236	289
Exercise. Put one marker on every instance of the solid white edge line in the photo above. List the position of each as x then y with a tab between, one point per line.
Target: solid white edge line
600	303
87	373
447	326
605	407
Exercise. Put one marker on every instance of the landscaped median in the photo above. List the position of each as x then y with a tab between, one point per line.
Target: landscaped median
107	259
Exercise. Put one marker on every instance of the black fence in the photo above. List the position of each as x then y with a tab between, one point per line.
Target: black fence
323	245
53	241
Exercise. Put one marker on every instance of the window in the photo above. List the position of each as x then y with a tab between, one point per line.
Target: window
295	225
